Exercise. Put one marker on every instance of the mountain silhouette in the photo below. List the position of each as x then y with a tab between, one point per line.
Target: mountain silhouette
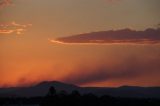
41	89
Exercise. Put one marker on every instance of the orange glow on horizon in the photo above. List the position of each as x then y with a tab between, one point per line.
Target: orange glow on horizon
87	43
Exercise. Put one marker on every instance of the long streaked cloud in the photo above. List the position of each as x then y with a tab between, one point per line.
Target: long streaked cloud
13	27
148	36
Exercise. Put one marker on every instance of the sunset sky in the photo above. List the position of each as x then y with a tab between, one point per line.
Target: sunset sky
83	42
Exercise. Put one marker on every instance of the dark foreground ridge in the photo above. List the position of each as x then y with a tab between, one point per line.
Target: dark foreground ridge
53	93
62	98
41	89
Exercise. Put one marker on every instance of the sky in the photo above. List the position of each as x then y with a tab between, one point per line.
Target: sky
83	42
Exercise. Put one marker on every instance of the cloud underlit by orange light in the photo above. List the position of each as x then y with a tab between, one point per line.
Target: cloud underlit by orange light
13	27
148	36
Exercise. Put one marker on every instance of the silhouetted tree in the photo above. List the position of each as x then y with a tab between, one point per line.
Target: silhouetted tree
52	91
76	99
75	93
62	93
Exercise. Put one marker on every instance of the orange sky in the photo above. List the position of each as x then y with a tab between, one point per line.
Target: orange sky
28	56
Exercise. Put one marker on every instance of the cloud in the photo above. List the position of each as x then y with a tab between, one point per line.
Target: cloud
13	27
4	3
148	36
128	69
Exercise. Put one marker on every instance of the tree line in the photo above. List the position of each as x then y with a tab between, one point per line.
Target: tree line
62	98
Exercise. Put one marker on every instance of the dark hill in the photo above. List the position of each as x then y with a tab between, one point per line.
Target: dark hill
42	88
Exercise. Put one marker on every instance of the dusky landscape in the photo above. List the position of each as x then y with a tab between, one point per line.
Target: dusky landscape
79	52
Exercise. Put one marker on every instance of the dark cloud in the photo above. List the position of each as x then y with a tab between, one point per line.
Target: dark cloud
148	36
